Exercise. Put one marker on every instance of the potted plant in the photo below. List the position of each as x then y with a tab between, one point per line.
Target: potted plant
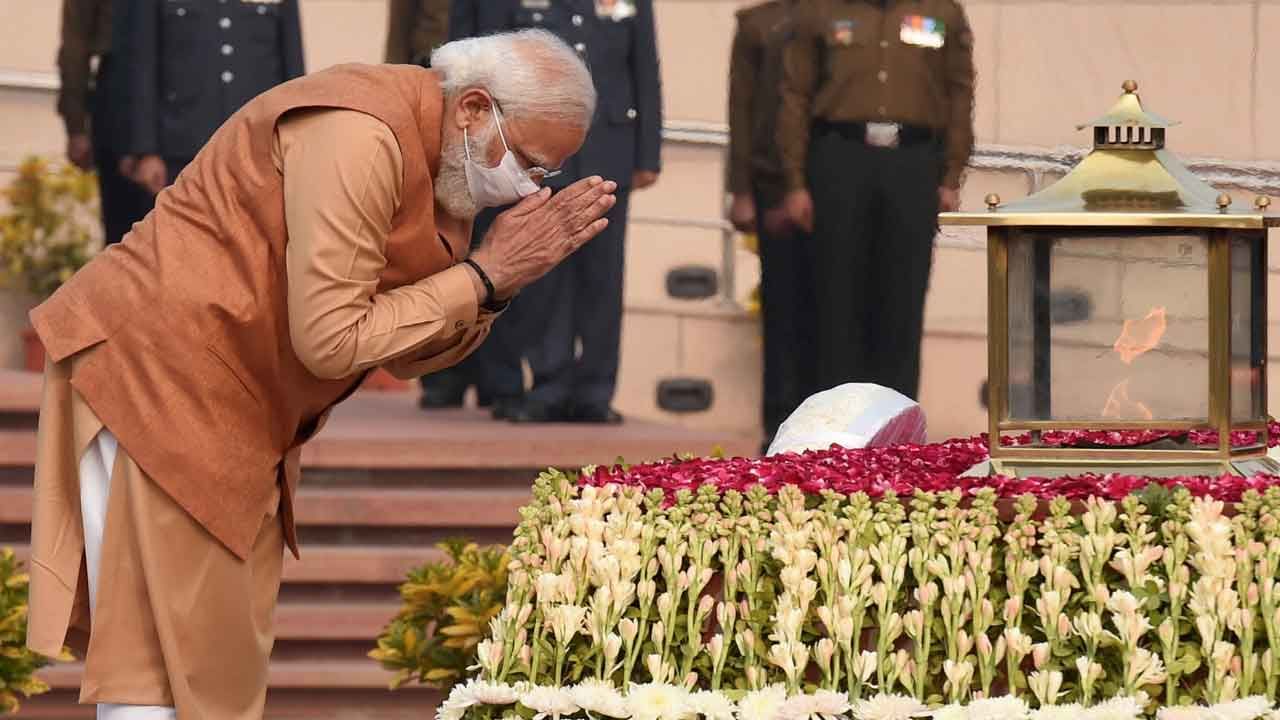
16	662
48	230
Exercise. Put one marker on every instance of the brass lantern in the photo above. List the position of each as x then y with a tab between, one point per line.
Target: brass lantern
1129	295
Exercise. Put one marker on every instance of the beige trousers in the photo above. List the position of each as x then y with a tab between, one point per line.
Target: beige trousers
177	623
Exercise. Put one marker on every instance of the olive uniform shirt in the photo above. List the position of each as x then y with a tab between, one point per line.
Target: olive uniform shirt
755	72
415	28
86	33
903	61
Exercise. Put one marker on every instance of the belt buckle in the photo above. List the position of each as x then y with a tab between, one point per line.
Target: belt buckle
883	135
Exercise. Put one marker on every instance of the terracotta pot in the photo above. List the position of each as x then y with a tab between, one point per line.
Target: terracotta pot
33	351
382	381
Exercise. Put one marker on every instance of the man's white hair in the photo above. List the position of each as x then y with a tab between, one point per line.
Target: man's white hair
528	72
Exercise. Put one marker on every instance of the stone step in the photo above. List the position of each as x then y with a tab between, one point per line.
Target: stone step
478	507
338	565
308	704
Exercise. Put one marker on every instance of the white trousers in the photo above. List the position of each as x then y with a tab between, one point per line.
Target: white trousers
95	489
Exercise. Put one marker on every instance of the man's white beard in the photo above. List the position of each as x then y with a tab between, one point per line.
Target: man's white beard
452	192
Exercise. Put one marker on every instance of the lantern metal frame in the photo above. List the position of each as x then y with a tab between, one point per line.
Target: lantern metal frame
1128	181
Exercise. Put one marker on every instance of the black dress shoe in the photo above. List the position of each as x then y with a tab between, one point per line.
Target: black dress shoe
527	412
506	408
596	415
434	399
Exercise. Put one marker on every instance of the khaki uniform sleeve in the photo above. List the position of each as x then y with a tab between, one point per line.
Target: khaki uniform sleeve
78	25
800	58
342	184
960	83
744	66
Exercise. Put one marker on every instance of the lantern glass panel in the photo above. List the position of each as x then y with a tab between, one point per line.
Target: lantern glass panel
1248	326
1103	324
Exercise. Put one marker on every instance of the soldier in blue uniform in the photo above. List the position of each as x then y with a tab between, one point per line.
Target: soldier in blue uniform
569	323
191	64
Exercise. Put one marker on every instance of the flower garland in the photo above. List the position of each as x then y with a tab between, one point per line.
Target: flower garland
660	701
763	590
938	467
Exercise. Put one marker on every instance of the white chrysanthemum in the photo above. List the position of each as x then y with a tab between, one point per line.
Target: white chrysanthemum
762	704
491	693
822	705
951	712
712	706
548	701
1185	712
1121	708
1249	708
1005	707
455	706
1074	711
889	707
600	698
658	701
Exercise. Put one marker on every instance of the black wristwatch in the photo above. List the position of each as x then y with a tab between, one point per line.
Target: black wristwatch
491	303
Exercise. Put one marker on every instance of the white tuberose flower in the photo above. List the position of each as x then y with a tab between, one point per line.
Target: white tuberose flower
762	704
548	702
658	701
600	698
889	707
455	706
712	706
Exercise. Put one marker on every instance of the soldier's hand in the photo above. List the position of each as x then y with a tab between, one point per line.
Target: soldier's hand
948	199
742	213
776	222
80	151
642	179
799	207
525	242
151	173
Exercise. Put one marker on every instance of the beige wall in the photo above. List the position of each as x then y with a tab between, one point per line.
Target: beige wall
1043	66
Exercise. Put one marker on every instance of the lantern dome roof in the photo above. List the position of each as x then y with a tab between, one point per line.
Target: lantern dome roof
1128	178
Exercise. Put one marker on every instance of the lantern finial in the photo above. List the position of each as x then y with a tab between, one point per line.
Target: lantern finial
1262	202
1224	202
993	202
1130	87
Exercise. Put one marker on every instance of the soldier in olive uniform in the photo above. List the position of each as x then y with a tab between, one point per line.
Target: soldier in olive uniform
755	181
580	302
191	64
875	130
414	29
93	107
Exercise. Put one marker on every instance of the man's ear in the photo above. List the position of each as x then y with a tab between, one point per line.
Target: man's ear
474	107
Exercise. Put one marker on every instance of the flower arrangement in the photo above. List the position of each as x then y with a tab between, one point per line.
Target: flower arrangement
447	609
48	231
879	584
16	662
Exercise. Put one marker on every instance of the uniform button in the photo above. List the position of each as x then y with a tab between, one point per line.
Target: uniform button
884	43
882	111
227	49
537	17
182	12
883	76
580	47
171	96
577	20
262	9
224	23
631	113
228	76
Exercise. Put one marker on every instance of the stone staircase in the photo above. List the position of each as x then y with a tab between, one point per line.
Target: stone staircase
381	485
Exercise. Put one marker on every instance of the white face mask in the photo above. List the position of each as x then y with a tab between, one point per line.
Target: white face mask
501	185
